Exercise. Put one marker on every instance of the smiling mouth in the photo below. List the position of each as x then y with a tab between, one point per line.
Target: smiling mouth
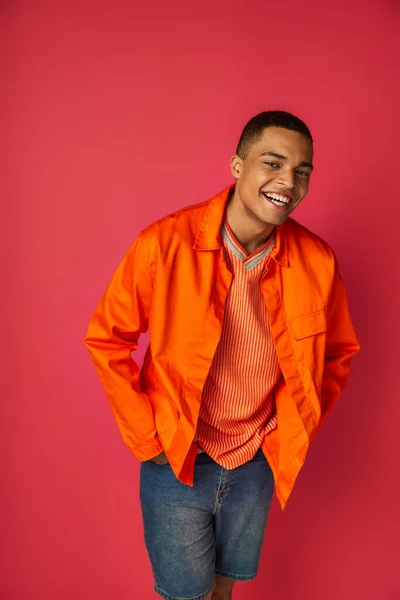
277	199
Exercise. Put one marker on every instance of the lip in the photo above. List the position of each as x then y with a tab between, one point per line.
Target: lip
284	208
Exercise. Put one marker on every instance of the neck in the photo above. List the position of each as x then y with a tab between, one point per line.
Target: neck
249	231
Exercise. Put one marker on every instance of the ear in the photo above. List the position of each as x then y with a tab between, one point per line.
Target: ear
236	166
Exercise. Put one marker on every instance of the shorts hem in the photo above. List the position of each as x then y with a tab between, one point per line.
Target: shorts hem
235	576
163	594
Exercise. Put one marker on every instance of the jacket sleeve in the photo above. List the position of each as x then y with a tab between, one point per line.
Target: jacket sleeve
341	345
113	333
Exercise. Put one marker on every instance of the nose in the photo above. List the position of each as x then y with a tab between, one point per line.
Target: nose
286	178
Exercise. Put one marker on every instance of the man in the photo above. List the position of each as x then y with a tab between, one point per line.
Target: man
250	347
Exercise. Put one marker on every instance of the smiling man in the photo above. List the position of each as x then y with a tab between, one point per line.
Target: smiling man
250	346
272	166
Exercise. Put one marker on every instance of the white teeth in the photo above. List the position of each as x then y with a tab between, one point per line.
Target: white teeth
278	197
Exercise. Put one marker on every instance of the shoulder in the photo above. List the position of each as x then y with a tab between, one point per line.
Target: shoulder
172	233
309	253
183	222
301	237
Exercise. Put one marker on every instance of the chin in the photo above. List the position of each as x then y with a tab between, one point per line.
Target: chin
275	219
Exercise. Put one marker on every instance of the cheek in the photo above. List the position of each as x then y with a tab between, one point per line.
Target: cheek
304	187
255	176
251	181
262	179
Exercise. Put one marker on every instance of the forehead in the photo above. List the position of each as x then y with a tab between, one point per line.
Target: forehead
289	143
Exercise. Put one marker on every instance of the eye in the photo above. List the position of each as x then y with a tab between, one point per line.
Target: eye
303	173
272	164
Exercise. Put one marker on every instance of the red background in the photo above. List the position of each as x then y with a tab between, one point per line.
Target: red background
114	114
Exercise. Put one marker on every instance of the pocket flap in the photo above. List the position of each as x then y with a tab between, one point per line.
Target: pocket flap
309	325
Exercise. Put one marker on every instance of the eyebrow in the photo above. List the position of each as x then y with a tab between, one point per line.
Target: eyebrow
281	157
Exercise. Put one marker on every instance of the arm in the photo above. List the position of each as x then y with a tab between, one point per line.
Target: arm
341	345
113	333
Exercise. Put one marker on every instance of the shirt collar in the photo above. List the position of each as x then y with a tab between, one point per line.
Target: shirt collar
209	234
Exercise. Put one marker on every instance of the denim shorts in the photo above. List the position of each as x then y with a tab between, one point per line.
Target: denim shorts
215	527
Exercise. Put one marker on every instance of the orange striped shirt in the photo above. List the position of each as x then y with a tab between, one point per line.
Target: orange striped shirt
237	408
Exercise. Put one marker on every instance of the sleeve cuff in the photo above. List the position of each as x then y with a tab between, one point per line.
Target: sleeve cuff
148	450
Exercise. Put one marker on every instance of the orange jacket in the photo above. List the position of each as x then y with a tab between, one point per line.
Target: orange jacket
174	282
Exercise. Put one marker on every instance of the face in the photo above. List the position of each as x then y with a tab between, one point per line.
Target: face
273	179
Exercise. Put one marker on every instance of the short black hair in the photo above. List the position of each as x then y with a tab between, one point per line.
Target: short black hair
253	131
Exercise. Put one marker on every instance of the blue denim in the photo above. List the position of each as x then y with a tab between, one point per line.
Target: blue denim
215	527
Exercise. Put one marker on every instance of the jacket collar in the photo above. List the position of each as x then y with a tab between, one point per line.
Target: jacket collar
209	235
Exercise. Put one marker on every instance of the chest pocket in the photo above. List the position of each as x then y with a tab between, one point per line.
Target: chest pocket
309	325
